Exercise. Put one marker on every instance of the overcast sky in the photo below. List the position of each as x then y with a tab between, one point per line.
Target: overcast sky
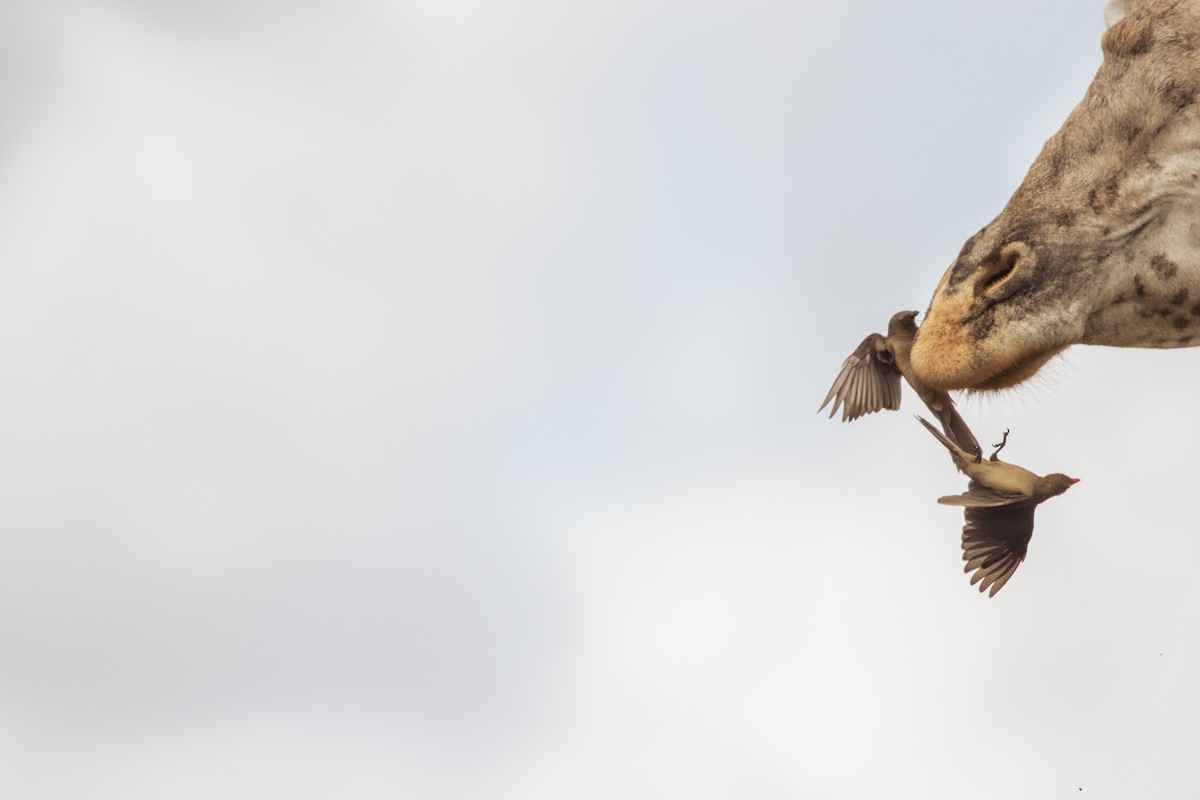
416	399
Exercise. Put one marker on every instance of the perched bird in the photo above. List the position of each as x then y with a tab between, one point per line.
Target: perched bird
998	505
870	381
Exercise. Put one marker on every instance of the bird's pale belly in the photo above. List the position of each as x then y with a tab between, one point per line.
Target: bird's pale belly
1007	478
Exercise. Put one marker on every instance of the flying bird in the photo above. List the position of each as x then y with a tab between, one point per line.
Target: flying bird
870	381
998	506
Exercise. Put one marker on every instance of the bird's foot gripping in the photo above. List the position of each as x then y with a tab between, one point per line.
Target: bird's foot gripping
999	447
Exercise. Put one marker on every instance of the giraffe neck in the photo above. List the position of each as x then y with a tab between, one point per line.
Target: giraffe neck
1150	296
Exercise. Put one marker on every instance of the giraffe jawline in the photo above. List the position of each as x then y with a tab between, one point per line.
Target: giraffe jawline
1017	373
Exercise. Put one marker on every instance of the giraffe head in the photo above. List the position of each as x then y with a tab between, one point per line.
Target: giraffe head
1100	244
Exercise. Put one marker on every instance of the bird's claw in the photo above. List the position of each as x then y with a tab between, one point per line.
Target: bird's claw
999	447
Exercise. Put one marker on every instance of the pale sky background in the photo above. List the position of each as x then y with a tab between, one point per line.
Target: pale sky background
416	399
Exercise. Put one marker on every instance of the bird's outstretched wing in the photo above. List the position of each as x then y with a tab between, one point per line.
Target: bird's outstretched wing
979	497
869	381
995	539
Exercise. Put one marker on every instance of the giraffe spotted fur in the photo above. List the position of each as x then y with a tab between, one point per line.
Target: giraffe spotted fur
1100	244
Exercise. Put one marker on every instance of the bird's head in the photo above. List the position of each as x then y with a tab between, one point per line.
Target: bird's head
1056	483
903	321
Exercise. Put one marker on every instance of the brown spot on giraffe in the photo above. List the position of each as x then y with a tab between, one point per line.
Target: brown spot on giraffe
1065	217
1104	197
1179	95
1164	267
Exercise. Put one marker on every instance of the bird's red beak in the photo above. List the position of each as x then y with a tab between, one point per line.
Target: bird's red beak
1074	481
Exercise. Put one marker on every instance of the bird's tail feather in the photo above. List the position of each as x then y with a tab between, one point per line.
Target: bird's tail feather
960	456
941	437
956	428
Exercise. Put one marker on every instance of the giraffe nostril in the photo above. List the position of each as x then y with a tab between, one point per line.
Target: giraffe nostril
1002	273
1006	263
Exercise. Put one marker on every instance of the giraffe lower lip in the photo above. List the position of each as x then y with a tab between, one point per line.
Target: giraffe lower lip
1016	373
1003	380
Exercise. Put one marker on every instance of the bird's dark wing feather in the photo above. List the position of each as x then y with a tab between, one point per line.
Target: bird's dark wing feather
868	382
995	540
